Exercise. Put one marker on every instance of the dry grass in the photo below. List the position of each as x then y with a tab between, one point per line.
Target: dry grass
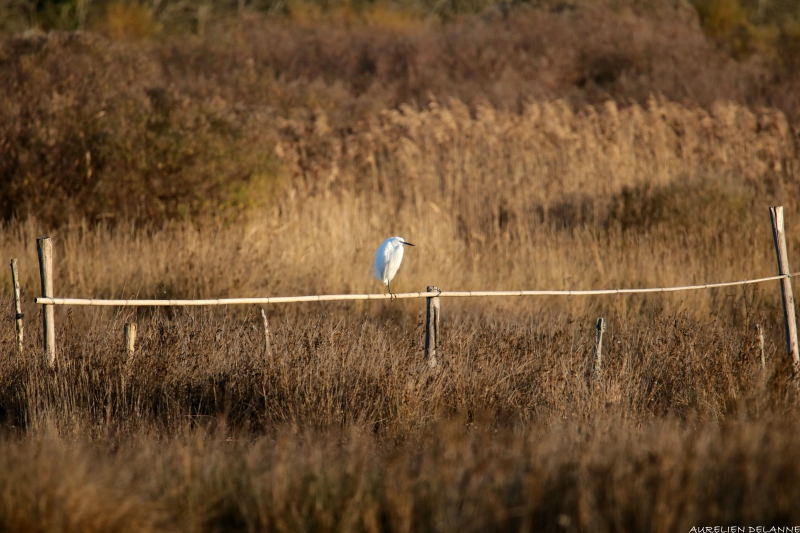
659	477
329	369
275	185
548	199
342	428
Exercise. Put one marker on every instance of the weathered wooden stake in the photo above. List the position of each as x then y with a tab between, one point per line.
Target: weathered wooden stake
598	346
130	339
44	247
760	332
267	348
17	308
432	310
790	324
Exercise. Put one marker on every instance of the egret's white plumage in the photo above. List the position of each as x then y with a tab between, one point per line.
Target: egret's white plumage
388	259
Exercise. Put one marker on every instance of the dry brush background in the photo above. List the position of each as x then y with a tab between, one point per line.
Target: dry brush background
271	156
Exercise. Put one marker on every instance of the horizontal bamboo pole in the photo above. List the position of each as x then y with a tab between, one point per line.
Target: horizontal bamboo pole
342	297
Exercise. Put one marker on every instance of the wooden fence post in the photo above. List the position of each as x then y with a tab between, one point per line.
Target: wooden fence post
44	247
267	347
17	306
760	332
130	339
598	346
432	310
790	324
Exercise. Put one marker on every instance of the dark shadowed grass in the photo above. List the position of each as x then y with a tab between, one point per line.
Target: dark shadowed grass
658	476
343	428
340	369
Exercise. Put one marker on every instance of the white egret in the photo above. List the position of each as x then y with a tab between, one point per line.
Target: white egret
388	259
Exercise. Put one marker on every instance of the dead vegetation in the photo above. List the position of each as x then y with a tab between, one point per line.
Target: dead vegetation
343	427
182	127
232	164
551	198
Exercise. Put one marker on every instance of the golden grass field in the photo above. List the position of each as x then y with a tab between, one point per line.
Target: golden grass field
342	426
551	199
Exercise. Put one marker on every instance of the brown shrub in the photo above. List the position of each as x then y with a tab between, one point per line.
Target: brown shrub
91	129
185	126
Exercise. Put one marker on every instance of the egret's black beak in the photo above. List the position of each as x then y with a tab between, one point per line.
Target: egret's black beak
408	244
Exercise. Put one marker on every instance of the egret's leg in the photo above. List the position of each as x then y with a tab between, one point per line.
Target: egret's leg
389	284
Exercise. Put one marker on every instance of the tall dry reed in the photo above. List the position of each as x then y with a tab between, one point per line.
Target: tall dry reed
624	197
